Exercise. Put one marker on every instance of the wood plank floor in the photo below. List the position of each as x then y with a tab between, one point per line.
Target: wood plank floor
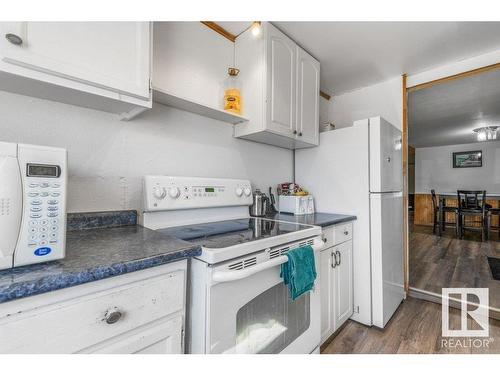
415	328
447	262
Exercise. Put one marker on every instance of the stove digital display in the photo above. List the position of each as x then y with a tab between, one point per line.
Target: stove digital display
209	190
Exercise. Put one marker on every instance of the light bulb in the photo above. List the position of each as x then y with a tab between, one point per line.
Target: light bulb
256	28
481	135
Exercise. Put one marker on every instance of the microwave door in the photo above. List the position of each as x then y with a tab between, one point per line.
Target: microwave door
11	207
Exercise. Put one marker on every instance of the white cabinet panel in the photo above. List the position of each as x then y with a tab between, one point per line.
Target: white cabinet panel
307	97
336	275
159	338
326	288
110	55
281	84
151	306
343	283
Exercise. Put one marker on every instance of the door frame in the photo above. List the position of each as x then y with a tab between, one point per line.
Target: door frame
405	91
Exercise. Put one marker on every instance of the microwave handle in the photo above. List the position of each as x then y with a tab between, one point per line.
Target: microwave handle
11	207
225	276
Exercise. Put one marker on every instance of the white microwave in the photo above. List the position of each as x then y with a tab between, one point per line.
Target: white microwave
32	204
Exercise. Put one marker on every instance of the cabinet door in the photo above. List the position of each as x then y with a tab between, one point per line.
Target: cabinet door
110	55
327	293
281	82
160	338
343	283
307	97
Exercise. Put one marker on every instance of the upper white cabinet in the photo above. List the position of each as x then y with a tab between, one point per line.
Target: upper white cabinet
282	83
280	90
307	97
103	65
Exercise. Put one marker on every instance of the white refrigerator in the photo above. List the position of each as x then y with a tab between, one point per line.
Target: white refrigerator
358	170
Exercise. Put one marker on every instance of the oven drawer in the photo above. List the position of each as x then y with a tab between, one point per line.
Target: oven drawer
78	323
336	234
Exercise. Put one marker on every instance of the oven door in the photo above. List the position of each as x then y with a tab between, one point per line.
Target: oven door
250	310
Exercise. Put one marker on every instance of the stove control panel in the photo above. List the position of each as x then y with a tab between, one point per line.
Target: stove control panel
162	193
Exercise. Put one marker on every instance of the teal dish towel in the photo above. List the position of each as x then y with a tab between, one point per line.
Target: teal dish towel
299	272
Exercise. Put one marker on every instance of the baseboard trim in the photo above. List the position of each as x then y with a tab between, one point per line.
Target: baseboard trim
454	303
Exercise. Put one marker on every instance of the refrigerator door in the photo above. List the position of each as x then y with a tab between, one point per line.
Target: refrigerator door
386	237
386	171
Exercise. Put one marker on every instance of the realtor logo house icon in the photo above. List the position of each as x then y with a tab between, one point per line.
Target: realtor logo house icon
478	312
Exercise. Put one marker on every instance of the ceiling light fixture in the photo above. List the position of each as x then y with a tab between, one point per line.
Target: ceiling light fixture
486	133
256	28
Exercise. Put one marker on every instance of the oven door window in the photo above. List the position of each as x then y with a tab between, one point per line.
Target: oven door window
256	315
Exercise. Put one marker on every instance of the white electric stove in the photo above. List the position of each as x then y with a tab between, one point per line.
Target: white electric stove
237	300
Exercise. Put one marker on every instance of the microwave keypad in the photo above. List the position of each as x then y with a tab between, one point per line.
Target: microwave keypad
43	202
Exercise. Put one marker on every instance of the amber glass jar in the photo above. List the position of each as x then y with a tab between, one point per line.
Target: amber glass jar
232	92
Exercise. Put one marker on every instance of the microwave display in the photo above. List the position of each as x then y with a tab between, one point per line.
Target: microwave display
43	170
209	189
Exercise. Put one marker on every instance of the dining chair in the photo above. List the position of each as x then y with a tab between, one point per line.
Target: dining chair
472	203
439	214
493	212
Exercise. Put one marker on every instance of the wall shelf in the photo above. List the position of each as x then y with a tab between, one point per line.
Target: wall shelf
166	98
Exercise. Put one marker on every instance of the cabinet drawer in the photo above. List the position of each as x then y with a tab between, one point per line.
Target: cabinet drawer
78	323
337	234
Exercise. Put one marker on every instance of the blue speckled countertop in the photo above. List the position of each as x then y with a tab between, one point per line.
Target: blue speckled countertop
94	254
321	219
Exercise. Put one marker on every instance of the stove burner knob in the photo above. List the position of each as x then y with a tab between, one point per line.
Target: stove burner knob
174	192
159	192
239	192
248	191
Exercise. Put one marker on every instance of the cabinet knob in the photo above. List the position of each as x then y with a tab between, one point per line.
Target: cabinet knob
300	134
14	39
112	315
346	232
325	240
295	132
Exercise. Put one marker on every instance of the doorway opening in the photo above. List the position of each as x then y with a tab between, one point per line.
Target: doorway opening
453	167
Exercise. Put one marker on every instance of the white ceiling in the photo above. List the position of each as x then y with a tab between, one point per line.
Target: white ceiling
446	113
358	54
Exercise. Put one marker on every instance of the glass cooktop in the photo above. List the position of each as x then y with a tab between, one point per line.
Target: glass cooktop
220	234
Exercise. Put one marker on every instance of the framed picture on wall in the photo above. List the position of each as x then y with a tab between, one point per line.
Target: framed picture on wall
468	159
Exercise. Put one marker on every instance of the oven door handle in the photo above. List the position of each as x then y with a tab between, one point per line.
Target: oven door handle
225	276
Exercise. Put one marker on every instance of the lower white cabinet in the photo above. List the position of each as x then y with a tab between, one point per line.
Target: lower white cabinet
140	312
336	278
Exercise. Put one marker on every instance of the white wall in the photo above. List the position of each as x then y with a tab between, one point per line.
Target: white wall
434	170
452	68
383	99
191	61
107	157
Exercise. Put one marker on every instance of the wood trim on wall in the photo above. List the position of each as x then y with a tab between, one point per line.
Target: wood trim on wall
324	95
453	77
404	141
219	29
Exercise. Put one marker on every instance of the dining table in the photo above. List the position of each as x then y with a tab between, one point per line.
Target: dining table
450	199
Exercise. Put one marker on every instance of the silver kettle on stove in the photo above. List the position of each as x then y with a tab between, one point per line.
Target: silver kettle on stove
260	204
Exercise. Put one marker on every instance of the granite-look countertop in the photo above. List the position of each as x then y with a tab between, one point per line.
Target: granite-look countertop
321	219
94	254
